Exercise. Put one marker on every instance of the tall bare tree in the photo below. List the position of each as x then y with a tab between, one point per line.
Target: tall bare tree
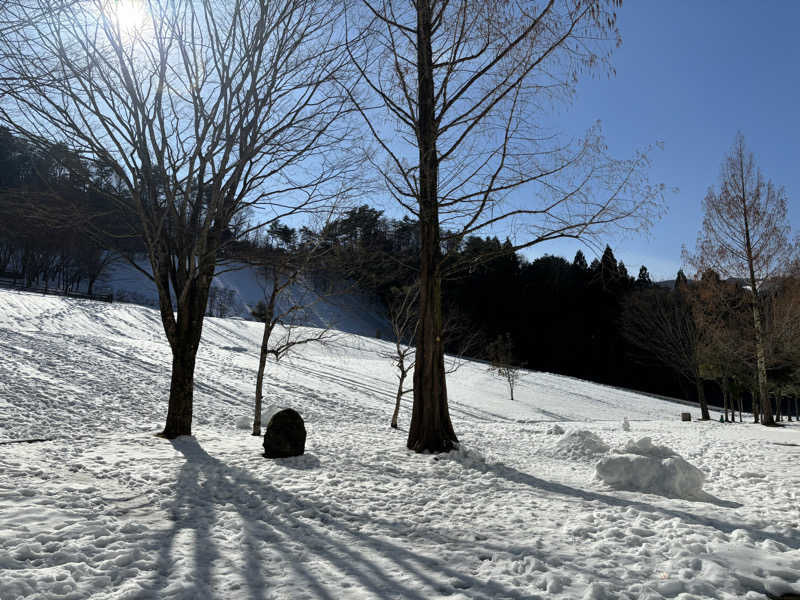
453	92
660	323
201	109
745	235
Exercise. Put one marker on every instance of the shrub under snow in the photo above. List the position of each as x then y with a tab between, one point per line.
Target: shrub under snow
644	467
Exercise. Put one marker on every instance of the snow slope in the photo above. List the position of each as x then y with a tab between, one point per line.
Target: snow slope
106	510
352	312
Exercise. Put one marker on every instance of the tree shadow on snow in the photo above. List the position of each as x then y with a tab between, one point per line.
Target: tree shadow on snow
286	539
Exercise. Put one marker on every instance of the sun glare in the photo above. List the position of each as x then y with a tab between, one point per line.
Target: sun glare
130	16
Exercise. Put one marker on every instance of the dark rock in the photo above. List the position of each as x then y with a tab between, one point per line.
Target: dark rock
686	416
285	433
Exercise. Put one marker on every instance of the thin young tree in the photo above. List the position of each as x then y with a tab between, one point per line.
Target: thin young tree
286	307
403	317
452	92
745	235
504	363
201	110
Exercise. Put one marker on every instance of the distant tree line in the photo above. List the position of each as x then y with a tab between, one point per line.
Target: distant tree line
44	213
60	230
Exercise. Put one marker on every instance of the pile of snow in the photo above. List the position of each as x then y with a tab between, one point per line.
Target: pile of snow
644	467
580	444
555	429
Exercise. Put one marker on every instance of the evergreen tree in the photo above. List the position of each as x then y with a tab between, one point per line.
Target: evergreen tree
643	281
579	262
680	279
623	271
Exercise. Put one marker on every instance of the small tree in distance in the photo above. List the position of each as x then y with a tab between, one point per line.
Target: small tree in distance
661	324
503	363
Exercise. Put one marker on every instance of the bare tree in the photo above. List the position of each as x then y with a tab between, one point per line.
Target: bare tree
403	317
285	308
661	323
720	312
504	363
745	235
201	110
463	82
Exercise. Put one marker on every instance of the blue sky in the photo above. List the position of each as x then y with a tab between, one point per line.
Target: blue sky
690	74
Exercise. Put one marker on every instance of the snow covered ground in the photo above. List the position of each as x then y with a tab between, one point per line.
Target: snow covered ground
106	510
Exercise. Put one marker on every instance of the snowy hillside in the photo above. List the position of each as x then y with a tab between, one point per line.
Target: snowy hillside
104	510
352	312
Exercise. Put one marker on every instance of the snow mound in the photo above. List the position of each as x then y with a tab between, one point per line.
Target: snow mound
645	447
244	422
642	466
580	444
555	430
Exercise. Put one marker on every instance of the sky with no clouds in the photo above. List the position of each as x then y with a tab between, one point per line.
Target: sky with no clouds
690	74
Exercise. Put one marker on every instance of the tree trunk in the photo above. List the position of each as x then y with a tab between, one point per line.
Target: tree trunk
761	360
701	399
183	333
269	325
756	405
398	399
725	397
262	363
739	401
181	391
430	429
